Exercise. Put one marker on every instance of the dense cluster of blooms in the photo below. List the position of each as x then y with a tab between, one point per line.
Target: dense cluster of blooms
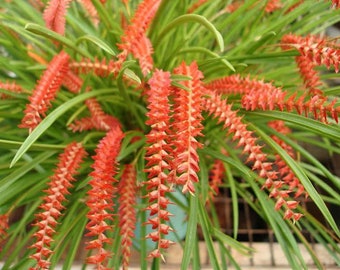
69	163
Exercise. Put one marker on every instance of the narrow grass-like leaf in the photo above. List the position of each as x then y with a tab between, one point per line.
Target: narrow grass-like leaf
207	233
302	177
43	31
17	235
190	237
226	239
97	41
130	74
51	118
234	199
328	131
9	180
210	53
303	152
192	18
75	243
224	158
283	234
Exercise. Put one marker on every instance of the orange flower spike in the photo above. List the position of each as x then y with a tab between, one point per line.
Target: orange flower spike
127	214
309	75
45	91
285	171
273	5
10	86
317	50
266	99
230	8
72	82
157	155
3	227
54	15
219	109
217	173
187	127
136	31
98	120
336	3
91	10
235	84
142	51
100	196
101	68
69	163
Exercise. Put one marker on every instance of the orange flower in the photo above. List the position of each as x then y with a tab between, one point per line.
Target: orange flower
69	162
187	127
157	155
134	39
45	91
101	194
98	120
10	86
127	213
54	15
286	174
217	173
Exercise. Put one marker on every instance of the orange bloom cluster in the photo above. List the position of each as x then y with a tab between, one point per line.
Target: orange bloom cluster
265	100
134	39
285	172
3	227
91	10
336	3
217	173
317	50
235	84
100	197
9	86
45	91
187	126
54	15
273	5
72	82
101	68
218	108
69	162
157	155
98	120
126	212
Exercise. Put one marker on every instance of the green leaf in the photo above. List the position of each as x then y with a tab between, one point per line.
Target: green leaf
43	31
97	41
129	73
300	121
210	53
192	18
207	233
8	181
226	239
190	238
301	175
51	118
224	158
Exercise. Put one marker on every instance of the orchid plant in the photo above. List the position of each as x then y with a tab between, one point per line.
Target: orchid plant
122	120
